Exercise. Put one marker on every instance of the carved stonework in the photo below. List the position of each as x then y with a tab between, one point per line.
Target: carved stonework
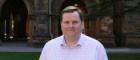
41	5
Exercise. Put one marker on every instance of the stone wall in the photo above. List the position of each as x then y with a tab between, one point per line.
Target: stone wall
45	25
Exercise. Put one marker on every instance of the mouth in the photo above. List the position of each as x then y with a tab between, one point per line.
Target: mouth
71	30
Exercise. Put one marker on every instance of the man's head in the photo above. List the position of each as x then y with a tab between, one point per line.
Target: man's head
71	9
72	21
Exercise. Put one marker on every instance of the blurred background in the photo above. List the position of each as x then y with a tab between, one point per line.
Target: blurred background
31	23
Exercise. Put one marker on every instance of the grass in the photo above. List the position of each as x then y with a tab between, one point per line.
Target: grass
124	56
19	55
35	56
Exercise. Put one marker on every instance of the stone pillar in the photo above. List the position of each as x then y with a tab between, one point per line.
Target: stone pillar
30	28
41	23
118	22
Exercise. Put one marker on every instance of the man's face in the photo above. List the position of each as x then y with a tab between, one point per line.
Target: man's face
71	24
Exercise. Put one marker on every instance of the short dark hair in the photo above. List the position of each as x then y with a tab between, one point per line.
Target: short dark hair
71	9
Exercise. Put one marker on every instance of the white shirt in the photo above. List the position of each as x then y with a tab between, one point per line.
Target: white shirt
86	49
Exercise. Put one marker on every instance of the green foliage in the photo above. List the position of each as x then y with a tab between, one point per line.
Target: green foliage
132	6
105	7
102	7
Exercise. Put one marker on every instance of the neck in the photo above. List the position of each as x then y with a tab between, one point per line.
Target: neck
71	41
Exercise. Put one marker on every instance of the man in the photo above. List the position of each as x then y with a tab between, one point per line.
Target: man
73	45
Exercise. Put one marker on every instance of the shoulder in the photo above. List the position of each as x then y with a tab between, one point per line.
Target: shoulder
91	40
54	42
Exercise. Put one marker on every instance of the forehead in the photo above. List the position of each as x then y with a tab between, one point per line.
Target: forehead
71	16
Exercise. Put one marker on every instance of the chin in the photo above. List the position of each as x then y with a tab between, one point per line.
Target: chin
73	35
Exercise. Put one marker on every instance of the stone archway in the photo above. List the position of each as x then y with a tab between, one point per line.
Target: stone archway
29	6
14	19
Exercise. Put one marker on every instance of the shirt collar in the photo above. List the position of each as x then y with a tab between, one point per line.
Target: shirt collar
79	43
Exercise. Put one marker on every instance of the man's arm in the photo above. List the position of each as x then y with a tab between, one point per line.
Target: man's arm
101	52
43	55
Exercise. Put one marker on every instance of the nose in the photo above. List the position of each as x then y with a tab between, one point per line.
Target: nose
70	24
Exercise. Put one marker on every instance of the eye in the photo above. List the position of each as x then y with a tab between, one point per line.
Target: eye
75	22
66	22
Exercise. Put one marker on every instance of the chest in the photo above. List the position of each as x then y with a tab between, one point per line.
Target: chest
72	54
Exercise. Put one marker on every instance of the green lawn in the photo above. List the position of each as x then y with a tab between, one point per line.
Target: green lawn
19	55
124	56
35	56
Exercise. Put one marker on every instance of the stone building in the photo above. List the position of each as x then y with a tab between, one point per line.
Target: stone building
37	21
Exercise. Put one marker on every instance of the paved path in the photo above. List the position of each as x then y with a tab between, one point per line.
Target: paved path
23	47
123	50
18	47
